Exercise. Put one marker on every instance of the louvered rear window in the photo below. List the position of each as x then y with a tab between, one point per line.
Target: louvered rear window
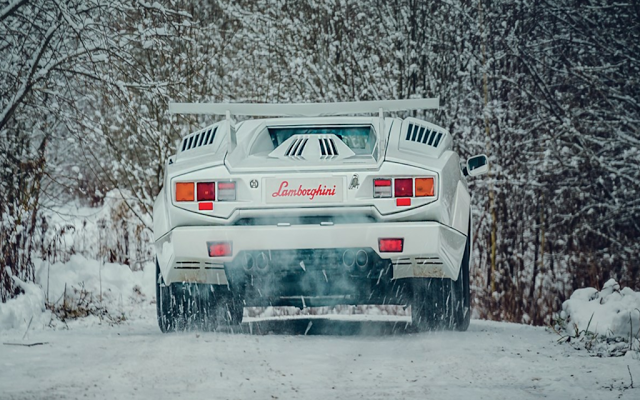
360	139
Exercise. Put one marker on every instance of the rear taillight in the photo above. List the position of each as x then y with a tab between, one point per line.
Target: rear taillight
219	249
184	191
424	187
391	245
226	191
206	191
382	188
403	187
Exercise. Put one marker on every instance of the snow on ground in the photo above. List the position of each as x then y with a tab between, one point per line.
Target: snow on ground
82	282
19	312
78	287
611	311
605	321
371	356
338	358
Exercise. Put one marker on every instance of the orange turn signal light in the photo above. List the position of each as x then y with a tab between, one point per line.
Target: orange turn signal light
185	191
424	187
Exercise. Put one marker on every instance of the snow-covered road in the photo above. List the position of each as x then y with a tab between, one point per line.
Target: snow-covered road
338	358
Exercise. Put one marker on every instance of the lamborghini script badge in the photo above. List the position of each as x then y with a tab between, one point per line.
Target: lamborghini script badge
354	182
253	184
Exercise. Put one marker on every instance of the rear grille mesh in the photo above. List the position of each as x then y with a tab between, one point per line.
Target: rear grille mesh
198	139
424	135
428	261
187	265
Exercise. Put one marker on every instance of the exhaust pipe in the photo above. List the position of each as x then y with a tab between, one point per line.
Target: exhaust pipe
249	262
348	259
362	259
262	262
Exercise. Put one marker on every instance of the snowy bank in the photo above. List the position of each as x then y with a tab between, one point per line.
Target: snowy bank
77	288
27	308
606	321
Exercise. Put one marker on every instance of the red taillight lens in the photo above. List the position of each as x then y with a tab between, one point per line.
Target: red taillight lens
184	191
381	188
391	245
424	187
226	191
219	249
403	187
206	191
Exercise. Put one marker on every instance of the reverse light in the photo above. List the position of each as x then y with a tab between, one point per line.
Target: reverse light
184	191
219	249
391	245
226	191
206	191
381	188
424	187
403	187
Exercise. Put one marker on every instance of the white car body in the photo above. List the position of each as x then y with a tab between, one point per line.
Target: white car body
312	196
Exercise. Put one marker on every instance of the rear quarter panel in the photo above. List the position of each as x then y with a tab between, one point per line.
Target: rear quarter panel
453	194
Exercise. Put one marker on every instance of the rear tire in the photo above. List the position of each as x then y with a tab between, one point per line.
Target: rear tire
182	306
219	307
165	304
441	303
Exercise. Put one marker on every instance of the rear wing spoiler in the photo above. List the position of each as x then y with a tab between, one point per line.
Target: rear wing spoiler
302	110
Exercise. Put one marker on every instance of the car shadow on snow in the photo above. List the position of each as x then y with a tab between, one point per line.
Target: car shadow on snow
322	326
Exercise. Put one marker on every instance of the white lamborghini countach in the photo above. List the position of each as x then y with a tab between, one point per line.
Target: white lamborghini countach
314	205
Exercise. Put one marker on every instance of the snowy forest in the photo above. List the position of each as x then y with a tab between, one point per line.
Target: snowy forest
548	89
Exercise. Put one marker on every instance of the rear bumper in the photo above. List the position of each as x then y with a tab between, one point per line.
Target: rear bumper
430	248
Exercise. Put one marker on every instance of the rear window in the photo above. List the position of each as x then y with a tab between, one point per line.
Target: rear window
360	139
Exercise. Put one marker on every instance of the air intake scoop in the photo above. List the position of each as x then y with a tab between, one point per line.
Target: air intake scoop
312	147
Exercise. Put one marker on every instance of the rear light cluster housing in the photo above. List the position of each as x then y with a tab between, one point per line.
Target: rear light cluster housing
404	187
205	193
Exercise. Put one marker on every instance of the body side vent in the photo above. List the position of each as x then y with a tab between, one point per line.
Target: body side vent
198	139
423	135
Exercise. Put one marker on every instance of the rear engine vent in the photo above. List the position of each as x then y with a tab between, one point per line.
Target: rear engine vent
198	139
424	135
328	147
297	147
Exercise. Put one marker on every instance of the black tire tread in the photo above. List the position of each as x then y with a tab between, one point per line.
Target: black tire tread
441	303
184	306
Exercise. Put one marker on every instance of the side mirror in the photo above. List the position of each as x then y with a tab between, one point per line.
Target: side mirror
477	165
